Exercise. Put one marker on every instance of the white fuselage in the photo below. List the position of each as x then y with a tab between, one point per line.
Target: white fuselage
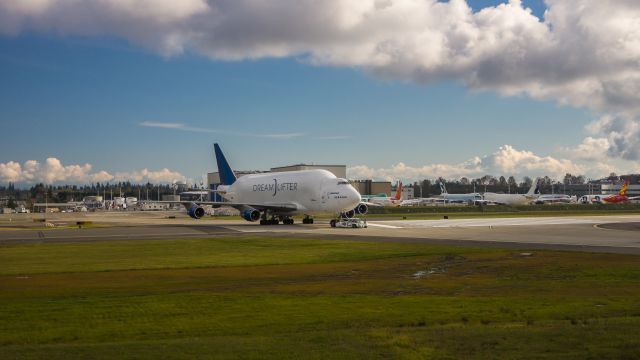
509	199
461	198
310	191
591	199
555	198
384	201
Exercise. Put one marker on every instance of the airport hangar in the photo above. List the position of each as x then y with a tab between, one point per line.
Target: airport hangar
364	187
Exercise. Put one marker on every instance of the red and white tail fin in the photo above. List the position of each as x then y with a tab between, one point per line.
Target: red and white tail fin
625	187
398	192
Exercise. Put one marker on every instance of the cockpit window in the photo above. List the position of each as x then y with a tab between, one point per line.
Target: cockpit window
343	182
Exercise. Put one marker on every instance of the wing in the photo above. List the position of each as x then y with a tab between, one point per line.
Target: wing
370	204
278	207
199	192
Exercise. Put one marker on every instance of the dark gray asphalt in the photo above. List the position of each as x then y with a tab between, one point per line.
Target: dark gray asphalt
630	226
159	232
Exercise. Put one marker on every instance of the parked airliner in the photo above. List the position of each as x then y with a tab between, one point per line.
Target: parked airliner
514	199
620	197
469	198
275	197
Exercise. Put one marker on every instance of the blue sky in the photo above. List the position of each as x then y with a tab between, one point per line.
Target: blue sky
82	99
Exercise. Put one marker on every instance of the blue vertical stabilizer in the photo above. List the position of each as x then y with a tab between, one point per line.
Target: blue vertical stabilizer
227	177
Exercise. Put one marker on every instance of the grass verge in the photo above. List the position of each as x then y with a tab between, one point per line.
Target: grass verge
300	298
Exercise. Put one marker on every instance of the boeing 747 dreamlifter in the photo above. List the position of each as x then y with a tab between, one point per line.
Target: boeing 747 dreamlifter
275	197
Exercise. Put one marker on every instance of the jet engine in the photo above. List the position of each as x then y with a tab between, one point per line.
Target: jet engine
251	215
361	209
195	211
349	214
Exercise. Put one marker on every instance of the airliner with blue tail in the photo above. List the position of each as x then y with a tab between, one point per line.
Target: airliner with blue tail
276	197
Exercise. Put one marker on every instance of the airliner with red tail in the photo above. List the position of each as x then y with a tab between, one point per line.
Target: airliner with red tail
618	198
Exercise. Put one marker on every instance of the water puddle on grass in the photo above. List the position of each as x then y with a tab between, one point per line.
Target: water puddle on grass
441	267
426	273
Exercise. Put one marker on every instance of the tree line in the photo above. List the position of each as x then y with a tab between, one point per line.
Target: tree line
64	193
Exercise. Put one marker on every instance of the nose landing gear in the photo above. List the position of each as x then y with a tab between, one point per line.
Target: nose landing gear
307	220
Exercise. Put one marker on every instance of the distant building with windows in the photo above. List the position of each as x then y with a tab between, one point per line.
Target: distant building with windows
370	187
613	189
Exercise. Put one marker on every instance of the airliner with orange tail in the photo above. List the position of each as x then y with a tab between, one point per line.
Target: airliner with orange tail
620	197
386	200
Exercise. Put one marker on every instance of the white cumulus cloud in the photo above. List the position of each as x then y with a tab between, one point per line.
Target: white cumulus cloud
506	161
54	171
161	25
10	171
583	53
161	176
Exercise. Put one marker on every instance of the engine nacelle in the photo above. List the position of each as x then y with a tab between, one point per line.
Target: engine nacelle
251	215
361	209
349	214
196	211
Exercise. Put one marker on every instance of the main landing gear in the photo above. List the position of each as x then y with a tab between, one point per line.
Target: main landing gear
269	222
285	220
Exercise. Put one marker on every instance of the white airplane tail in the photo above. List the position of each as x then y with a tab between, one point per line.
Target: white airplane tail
534	189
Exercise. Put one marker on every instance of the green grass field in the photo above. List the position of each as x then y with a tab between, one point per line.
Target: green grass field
300	298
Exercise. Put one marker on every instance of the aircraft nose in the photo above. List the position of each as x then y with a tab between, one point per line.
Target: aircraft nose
354	196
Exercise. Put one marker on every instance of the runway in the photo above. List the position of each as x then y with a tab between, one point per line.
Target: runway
619	234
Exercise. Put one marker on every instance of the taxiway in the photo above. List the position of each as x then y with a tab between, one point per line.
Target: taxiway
619	234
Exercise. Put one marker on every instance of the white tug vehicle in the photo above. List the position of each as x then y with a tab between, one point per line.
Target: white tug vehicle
354	223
